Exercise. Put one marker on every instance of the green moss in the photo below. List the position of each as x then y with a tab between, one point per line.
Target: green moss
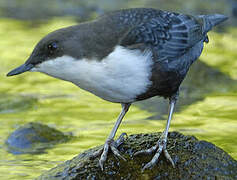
193	159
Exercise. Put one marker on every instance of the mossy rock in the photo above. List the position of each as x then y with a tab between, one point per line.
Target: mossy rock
34	138
193	159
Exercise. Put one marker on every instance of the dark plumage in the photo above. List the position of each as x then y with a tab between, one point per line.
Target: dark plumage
167	44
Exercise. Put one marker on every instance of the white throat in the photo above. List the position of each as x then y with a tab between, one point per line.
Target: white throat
120	77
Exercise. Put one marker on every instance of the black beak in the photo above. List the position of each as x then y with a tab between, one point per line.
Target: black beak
20	69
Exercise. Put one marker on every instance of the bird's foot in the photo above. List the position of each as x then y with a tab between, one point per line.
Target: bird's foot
158	148
112	145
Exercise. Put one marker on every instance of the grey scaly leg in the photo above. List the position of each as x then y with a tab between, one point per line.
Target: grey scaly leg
110	143
161	144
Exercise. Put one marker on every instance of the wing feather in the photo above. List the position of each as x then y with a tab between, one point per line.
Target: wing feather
170	34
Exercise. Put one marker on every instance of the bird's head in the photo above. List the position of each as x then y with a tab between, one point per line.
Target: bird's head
62	42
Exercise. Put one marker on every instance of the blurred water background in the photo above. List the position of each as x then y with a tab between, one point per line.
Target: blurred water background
207	107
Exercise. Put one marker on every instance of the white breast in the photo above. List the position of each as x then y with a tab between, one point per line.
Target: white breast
119	77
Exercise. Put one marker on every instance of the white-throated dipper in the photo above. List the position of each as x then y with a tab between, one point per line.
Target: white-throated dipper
125	56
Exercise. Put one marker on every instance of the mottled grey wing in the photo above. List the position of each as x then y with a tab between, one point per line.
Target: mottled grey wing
170	35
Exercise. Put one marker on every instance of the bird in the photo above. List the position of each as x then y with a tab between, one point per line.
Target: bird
125	56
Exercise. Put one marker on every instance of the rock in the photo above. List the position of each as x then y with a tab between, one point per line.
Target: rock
194	159
34	138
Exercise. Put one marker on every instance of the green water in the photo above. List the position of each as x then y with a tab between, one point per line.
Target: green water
39	98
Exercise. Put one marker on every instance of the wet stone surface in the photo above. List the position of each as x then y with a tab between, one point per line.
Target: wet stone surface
34	138
193	159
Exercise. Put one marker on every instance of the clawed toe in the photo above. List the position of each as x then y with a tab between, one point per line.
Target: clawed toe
147	151
121	139
155	158
167	155
112	145
116	153
158	149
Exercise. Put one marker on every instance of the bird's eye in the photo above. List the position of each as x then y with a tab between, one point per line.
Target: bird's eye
52	47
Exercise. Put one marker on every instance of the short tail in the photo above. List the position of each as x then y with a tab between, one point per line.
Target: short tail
209	21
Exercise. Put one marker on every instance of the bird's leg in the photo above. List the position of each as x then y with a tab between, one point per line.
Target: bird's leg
161	144
110	143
